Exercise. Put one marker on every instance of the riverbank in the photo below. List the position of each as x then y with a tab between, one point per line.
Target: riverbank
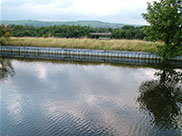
87	55
119	45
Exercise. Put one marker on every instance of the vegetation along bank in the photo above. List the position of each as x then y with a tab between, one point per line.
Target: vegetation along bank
85	43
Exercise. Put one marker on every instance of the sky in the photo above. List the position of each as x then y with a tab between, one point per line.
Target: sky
113	11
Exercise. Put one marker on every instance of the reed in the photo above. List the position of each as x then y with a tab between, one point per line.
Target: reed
128	45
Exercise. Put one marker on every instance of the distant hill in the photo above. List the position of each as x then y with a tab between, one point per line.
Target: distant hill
97	24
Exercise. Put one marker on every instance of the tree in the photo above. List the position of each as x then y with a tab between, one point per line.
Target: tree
117	34
127	27
5	33
128	34
165	19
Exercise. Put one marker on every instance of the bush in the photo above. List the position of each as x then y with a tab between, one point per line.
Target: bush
5	33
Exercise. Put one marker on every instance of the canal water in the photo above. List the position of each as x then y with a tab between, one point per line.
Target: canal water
54	98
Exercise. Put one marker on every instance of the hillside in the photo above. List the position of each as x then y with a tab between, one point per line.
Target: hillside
36	23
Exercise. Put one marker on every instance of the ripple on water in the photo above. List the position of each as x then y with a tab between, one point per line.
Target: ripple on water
77	100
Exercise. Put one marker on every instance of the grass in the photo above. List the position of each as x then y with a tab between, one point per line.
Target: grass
128	45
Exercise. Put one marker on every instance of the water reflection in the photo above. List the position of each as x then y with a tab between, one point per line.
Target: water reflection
6	68
57	98
162	98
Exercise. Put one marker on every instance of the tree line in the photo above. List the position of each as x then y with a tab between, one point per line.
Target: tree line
76	31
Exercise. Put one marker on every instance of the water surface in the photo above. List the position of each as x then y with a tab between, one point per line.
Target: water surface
43	98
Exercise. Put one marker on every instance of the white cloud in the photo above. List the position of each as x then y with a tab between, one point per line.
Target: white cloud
97	7
41	71
120	11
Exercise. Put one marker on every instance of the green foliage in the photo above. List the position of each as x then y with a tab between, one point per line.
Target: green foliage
165	19
5	33
117	33
128	32
128	27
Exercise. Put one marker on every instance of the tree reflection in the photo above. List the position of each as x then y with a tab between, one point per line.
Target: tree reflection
5	68
162	98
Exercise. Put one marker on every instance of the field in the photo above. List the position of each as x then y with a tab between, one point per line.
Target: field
128	45
97	24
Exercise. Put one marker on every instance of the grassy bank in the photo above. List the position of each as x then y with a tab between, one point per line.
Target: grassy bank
128	45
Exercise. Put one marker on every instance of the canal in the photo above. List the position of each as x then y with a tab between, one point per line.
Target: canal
65	98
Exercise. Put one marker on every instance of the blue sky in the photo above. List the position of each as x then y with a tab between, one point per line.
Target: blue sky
114	11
